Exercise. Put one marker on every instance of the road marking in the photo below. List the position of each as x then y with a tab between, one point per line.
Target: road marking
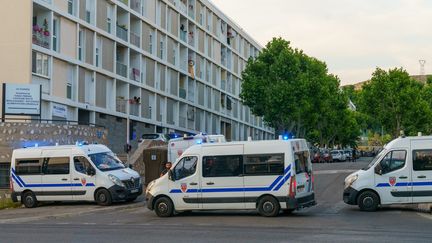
425	215
329	172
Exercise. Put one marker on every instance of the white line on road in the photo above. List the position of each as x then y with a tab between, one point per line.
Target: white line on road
329	172
425	215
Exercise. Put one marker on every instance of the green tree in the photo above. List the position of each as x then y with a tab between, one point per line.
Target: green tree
396	102
295	93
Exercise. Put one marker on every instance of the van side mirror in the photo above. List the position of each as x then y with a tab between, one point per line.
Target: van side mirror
130	166
171	175
378	169
91	171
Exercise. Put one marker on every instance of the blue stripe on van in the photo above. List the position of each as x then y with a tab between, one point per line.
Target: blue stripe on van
287	175
21	183
416	183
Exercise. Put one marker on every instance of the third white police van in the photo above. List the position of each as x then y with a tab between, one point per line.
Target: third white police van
400	174
71	173
265	175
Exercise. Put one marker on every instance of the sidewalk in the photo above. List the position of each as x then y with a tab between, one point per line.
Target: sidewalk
52	210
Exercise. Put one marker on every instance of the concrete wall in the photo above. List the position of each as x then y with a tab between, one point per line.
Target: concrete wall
15	42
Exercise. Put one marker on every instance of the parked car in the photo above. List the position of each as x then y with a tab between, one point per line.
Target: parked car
348	154
317	158
155	136
338	155
326	156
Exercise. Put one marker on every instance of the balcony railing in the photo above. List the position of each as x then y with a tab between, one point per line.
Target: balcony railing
122	32
182	7
121	69
134	39
41	38
182	121
120	104
135	74
183	35
134	109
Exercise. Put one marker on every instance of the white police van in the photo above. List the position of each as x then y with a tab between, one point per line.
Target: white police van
264	175
71	173
400	174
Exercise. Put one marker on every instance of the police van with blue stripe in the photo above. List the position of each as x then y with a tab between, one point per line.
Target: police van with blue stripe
269	176
71	173
400	174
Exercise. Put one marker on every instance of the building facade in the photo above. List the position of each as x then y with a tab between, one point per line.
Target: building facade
168	65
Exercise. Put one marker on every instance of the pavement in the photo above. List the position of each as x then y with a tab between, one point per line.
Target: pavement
330	221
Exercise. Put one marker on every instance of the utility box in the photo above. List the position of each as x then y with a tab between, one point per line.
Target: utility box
154	160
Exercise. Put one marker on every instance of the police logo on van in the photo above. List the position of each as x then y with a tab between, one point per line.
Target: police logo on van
183	187
83	181
392	180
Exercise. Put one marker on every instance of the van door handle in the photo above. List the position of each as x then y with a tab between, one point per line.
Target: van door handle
76	179
193	183
403	177
64	179
421	177
210	183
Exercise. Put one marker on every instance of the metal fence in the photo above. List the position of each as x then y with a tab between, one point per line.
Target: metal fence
4	175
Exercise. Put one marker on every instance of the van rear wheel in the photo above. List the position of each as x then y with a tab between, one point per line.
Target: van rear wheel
368	201
103	197
268	206
164	207
29	200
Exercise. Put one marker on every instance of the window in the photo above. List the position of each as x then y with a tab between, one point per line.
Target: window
394	160
301	162
71	7
56	166
81	164
106	161
80	45
186	167
28	167
40	63
162	50
422	159
4	175
55	34
222	166
151	43
265	164
109	18
69	91
98	51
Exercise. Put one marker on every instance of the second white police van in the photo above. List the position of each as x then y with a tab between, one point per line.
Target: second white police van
263	175
400	174
71	173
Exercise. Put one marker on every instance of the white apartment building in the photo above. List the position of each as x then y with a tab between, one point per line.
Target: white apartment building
168	65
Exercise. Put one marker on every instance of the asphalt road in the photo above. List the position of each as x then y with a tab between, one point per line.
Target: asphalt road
330	221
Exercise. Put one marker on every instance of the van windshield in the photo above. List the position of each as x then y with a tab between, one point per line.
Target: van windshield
106	161
375	159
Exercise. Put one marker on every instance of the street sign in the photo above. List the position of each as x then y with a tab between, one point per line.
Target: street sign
21	99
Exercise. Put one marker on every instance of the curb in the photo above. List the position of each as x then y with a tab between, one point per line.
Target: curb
64	215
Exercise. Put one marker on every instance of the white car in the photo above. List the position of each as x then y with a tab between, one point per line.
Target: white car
268	176
400	174
71	173
338	155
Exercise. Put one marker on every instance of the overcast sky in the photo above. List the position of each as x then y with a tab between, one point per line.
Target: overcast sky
352	36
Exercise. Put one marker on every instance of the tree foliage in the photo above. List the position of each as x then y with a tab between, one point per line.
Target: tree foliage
295	93
397	102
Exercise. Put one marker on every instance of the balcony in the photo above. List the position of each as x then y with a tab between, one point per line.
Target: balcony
120	104
183	35
41	37
134	39
182	121
135	74
182	93
121	69
122	32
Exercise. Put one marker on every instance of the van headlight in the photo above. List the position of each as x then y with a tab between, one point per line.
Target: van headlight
350	180
150	185
116	180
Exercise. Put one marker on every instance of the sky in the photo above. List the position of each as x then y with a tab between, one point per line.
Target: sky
352	36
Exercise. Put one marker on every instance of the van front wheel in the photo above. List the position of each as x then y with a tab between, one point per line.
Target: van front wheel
164	207
103	197
268	206
29	200
368	201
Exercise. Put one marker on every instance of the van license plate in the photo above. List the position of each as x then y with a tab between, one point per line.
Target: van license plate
134	190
